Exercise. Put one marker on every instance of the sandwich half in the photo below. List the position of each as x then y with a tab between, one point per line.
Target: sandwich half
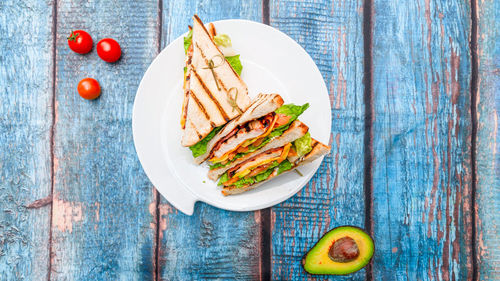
265	165
265	119
214	93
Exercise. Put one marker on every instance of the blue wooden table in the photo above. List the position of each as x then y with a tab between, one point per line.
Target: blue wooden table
415	92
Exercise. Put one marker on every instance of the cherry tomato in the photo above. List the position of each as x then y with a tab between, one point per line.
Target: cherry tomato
89	88
80	42
109	50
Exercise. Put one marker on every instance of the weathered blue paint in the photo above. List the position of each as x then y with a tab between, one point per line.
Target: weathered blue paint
331	32
487	145
212	243
25	120
104	208
422	140
103	220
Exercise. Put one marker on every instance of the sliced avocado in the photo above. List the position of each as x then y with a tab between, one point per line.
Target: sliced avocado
342	250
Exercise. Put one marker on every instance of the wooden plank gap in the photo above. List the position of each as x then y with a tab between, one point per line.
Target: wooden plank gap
265	244
265	14
160	23
52	131
474	123
369	118
156	266
265	214
157	196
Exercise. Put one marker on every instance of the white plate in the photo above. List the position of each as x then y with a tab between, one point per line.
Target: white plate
272	62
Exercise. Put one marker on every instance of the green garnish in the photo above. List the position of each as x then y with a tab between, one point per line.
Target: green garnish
201	147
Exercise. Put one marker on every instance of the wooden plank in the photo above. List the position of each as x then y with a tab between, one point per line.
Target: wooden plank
422	140
331	32
487	146
102	228
26	75
211	243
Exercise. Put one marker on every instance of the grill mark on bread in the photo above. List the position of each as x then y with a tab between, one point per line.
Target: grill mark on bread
206	60
200	137
200	105
223	86
214	100
196	18
259	102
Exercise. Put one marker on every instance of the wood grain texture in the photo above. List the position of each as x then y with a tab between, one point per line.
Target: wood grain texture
422	140
26	71
487	146
211	244
331	32
102	227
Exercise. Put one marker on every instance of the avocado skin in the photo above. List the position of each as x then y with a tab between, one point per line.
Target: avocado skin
340	228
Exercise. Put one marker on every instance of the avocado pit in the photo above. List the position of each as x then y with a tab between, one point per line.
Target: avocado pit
344	250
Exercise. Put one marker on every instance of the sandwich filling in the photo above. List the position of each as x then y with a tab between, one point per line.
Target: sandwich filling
253	135
267	164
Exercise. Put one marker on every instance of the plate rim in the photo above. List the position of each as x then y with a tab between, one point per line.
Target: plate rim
194	195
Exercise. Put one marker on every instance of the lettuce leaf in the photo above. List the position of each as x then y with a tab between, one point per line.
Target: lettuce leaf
222	40
201	147
264	175
257	178
223	179
235	63
187	41
303	145
220	165
292	110
284	166
244	182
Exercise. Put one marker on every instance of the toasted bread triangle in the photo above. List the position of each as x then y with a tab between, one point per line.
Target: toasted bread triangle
210	103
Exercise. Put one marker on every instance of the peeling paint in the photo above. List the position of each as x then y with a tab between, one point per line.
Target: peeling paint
65	214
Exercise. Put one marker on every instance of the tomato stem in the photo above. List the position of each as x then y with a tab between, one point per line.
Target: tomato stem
73	36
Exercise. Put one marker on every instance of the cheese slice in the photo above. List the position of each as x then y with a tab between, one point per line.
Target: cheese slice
280	159
225	156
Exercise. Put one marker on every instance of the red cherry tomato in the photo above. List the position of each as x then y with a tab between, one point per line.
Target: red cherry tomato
80	42
89	88
109	50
